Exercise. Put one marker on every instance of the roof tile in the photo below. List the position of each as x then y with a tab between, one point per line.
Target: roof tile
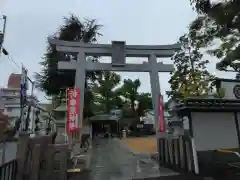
14	81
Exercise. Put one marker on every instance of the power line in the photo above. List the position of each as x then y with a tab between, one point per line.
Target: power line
14	62
10	58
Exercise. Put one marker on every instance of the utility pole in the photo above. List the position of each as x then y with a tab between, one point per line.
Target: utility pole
30	104
23	97
2	33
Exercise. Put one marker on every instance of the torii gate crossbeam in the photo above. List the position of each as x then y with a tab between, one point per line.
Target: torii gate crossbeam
118	51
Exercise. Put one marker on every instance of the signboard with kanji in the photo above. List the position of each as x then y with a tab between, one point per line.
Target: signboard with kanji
161	114
73	106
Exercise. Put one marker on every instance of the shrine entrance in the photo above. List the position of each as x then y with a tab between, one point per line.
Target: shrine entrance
119	51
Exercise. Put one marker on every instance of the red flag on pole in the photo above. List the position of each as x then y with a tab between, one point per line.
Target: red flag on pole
161	120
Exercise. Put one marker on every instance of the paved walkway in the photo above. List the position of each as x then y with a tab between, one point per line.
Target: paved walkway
112	161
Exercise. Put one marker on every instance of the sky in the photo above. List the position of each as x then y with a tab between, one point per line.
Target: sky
145	22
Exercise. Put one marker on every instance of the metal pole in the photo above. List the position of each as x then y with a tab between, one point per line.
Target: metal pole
4	24
3	33
33	119
24	79
66	134
48	129
22	96
29	108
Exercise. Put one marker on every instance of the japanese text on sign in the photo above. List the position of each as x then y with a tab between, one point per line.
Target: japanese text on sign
73	104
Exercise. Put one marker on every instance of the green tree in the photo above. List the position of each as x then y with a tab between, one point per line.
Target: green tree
129	95
144	103
53	81
105	91
129	90
190	76
217	27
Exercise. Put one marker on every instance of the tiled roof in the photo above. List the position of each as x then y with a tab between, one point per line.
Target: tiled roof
14	81
208	104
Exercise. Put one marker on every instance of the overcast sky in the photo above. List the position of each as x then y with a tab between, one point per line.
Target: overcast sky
145	22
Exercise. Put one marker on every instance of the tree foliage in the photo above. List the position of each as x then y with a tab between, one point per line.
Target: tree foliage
144	103
129	90
190	76
109	94
105	91
53	81
50	79
218	26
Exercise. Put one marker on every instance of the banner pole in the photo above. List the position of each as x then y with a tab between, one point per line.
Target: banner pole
66	133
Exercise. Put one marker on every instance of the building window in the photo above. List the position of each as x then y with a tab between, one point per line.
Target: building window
9	109
10	99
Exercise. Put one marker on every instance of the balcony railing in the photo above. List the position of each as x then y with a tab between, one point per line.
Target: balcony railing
8	171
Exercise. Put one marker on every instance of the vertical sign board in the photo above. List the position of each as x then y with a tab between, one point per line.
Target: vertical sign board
73	106
161	114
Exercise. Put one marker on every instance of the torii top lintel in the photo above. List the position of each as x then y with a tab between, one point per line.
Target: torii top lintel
115	48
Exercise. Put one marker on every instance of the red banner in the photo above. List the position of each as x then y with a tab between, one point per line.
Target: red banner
73	105
161	120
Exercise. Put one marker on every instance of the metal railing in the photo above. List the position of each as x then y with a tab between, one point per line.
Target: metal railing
237	154
8	171
229	151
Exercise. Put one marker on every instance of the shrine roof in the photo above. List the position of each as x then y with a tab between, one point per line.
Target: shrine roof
208	105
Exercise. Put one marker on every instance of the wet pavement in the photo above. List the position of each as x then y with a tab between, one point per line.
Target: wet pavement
112	161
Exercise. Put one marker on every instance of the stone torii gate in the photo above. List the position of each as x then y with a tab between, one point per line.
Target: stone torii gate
118	50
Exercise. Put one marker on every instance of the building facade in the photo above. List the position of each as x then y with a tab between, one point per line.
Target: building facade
150	119
10	104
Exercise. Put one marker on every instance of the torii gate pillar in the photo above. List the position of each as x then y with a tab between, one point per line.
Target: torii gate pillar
118	51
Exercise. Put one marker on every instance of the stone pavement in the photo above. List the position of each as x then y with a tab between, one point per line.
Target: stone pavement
112	161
